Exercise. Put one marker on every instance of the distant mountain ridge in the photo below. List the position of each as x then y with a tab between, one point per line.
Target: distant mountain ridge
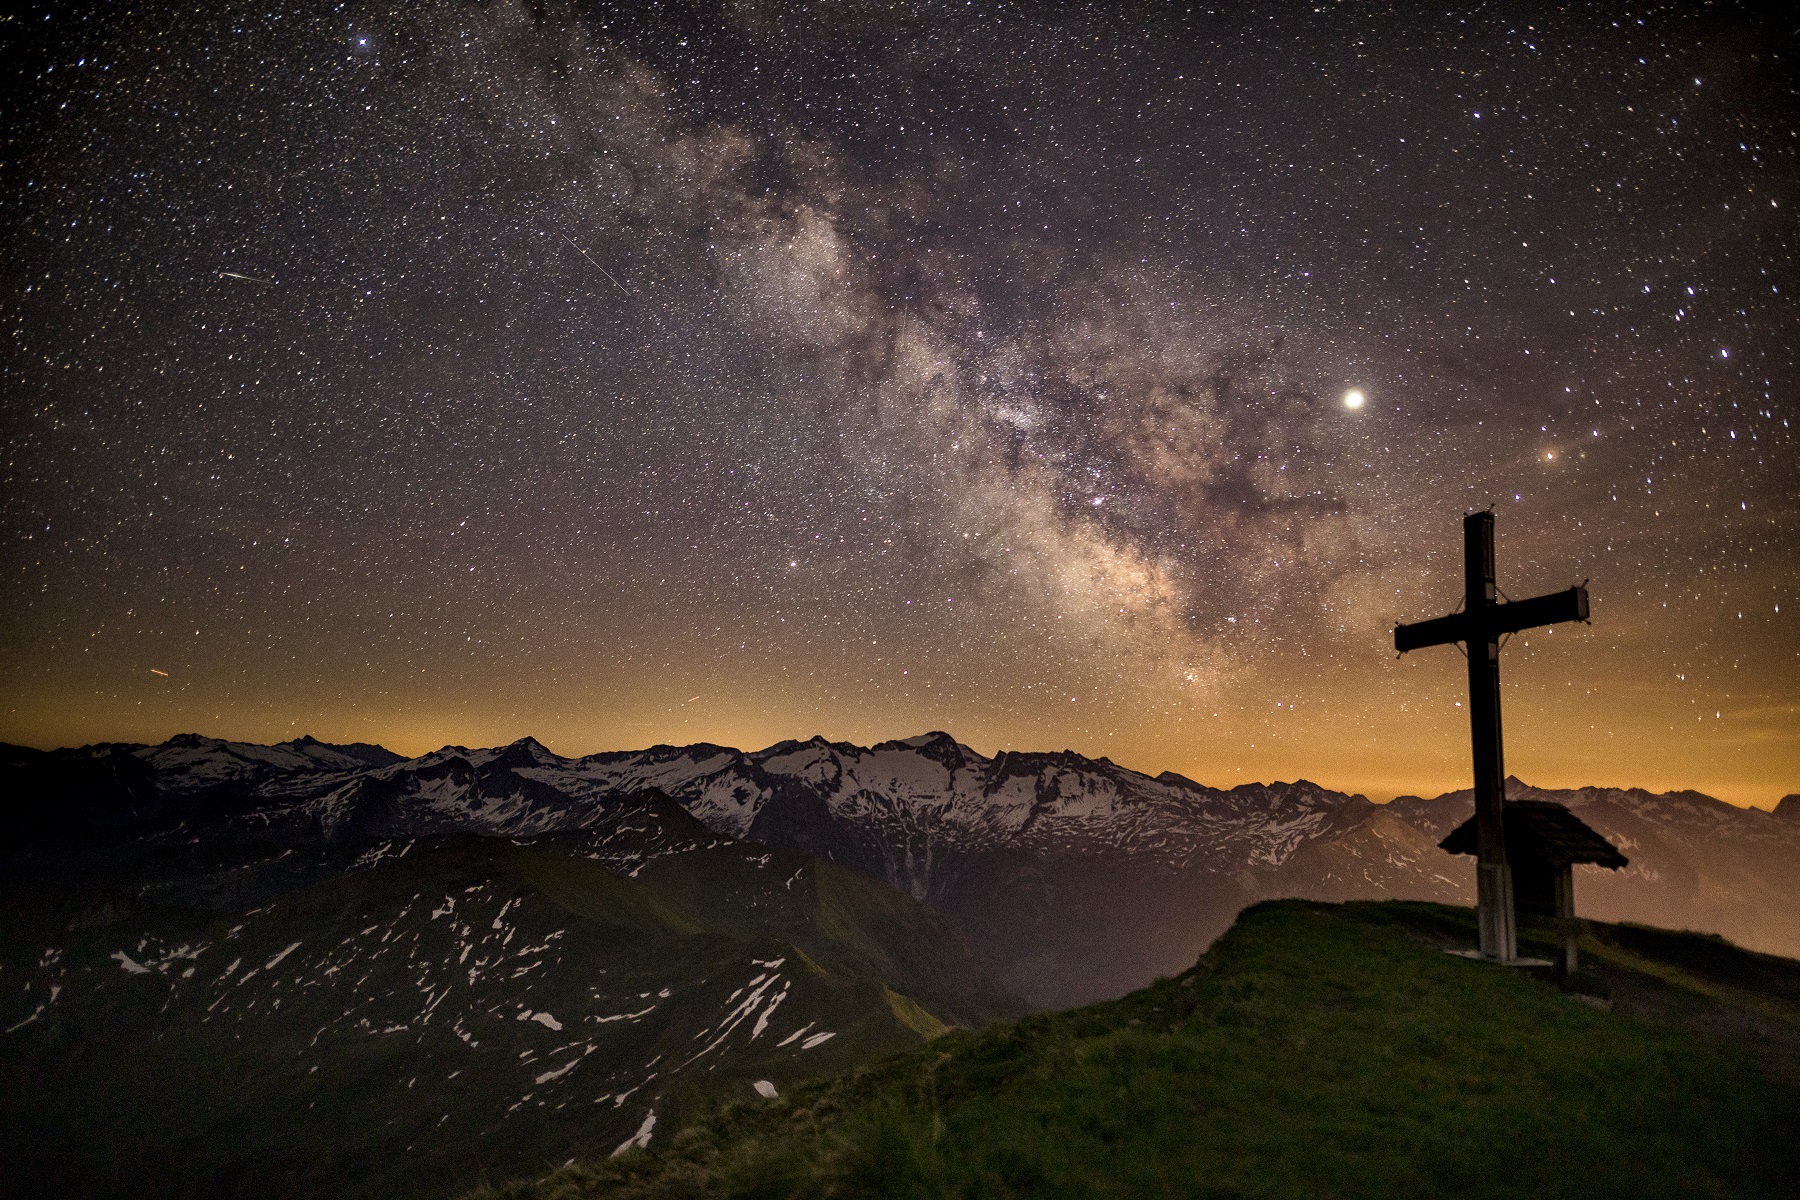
1074	878
305	969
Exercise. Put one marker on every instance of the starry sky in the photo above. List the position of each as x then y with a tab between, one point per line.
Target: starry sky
446	373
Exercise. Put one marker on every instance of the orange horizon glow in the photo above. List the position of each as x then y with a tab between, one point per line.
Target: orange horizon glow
1747	757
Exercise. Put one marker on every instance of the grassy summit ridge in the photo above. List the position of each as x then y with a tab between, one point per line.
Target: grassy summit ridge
1317	1050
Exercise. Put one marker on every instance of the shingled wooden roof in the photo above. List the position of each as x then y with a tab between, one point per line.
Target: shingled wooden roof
1545	832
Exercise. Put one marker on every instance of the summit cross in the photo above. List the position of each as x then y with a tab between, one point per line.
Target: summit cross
1483	620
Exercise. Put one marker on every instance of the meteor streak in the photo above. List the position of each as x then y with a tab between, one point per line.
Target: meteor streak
245	278
565	237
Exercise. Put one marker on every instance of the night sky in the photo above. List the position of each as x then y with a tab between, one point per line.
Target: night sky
449	373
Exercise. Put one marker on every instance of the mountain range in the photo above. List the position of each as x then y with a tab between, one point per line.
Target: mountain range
471	964
233	970
1075	879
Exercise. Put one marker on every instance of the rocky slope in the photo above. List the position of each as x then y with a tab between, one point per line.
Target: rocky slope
300	970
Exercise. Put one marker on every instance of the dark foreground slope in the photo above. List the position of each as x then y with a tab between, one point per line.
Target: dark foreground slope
447	1012
1316	1050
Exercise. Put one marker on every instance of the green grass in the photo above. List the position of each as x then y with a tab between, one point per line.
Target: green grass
1317	1050
832	915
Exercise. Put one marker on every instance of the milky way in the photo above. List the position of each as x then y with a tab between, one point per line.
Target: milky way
451	373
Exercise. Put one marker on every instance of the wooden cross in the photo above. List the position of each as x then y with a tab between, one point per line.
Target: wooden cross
1481	623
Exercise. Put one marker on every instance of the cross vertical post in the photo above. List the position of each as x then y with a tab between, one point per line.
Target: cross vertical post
1493	879
1483	621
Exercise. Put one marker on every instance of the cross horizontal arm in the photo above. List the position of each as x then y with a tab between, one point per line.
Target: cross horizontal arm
1571	605
1439	631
